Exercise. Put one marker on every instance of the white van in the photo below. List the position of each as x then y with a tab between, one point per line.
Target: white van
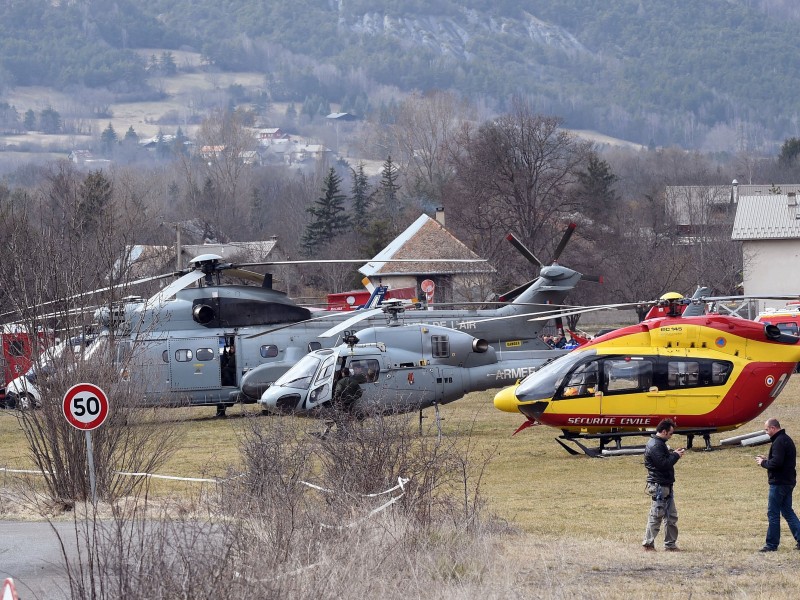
23	393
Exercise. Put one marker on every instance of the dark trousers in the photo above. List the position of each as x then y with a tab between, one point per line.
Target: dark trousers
780	503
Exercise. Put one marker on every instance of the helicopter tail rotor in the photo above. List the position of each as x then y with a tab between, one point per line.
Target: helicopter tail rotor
512	294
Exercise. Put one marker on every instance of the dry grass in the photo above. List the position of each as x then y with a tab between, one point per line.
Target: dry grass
580	519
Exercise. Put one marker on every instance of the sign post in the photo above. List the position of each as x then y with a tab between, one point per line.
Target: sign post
86	407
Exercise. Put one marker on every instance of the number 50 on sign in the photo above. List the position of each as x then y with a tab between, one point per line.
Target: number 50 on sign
85	406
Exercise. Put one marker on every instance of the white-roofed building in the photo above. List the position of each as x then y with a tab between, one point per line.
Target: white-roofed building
768	225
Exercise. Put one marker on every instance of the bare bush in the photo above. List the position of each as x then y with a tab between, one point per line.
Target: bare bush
130	440
309	517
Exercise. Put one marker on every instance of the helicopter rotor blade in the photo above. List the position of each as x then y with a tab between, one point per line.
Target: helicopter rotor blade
174	287
109	288
245	274
344	325
353	261
523	250
511	294
564	240
326	317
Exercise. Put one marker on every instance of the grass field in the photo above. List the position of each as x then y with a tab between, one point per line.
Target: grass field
579	520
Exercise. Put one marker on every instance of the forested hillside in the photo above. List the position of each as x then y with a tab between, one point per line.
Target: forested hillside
651	71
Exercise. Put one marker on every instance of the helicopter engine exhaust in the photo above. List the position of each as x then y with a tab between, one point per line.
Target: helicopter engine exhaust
773	332
480	346
203	313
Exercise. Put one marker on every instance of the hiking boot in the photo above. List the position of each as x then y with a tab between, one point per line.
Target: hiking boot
672	549
648	547
768	549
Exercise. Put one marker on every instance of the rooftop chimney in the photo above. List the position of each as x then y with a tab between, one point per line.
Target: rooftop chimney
440	215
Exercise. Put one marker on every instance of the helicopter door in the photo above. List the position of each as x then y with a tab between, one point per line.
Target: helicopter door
627	381
193	363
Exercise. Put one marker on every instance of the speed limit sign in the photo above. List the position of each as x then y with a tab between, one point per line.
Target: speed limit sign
85	406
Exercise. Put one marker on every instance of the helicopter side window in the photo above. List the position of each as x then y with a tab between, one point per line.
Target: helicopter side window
16	348
165	356
440	346
205	354
183	355
268	351
312	346
628	375
683	374
319	394
365	370
790	328
720	372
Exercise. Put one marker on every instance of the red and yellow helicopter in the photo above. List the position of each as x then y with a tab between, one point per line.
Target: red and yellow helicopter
708	373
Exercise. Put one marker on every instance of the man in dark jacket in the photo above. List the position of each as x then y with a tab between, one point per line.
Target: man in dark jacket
782	477
660	463
346	390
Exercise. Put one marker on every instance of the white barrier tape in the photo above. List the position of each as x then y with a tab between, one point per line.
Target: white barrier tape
32	472
154	476
371	513
171	477
401	482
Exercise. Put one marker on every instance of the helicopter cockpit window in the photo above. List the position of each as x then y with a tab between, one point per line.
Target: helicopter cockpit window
269	351
440	346
365	370
683	374
183	355
205	354
299	376
628	375
582	381
327	369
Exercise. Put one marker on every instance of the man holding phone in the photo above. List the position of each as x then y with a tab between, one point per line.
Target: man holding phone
660	461
782	477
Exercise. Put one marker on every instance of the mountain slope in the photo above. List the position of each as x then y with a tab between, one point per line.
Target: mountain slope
646	70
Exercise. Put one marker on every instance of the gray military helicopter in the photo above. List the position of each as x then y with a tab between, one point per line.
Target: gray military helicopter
398	369
201	342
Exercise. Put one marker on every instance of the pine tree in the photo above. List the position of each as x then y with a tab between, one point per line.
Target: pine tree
388	194
131	137
360	198
29	120
597	193
329	218
108	139
94	199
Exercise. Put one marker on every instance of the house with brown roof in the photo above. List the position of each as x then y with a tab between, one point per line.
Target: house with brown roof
427	238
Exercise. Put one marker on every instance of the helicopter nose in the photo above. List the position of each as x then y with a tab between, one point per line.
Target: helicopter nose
506	399
277	400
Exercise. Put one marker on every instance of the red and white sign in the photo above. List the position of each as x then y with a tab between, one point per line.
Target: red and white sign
85	406
428	287
9	591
